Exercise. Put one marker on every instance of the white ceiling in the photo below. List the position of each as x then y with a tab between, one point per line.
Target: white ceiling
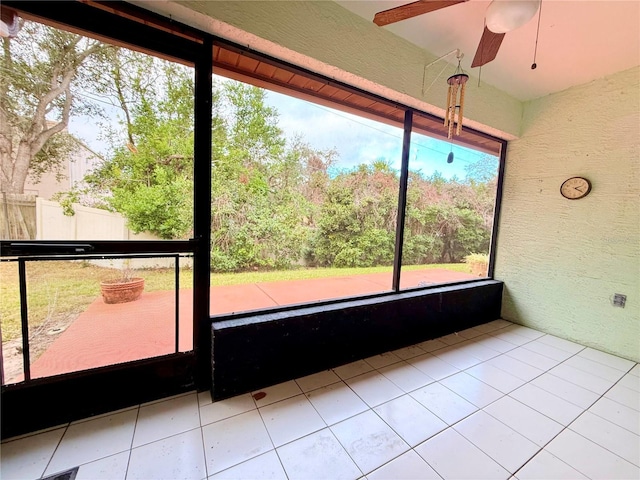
579	41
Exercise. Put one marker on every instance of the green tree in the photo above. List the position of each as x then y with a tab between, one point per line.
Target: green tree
357	220
445	219
149	175
258	206
43	71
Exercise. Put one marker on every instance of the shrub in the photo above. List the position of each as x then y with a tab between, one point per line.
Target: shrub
477	258
479	263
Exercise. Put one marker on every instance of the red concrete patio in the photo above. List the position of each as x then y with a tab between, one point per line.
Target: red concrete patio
110	334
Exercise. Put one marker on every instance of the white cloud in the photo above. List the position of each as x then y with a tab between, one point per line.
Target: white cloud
360	140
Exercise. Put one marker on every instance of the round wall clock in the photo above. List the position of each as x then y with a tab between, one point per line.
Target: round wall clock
575	187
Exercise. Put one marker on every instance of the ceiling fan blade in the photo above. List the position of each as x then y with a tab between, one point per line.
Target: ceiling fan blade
411	10
487	48
9	22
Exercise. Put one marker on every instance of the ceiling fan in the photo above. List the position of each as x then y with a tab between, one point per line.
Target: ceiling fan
501	17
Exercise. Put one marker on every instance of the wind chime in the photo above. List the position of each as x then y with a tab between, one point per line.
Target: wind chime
455	101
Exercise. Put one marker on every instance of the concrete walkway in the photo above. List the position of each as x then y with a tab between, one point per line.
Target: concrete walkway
110	334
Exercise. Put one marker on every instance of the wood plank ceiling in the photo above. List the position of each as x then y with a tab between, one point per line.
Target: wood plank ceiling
250	67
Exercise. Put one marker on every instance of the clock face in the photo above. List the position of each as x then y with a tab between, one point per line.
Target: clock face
575	188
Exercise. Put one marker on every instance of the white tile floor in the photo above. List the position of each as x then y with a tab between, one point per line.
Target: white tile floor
495	401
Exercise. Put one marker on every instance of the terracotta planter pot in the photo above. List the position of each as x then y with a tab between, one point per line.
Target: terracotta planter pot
117	291
479	269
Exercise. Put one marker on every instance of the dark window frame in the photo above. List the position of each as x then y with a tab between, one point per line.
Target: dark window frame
97	390
140	29
113	21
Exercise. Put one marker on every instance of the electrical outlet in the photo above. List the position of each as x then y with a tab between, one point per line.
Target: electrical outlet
619	300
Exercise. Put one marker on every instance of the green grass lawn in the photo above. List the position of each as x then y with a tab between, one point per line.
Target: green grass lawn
307	273
59	290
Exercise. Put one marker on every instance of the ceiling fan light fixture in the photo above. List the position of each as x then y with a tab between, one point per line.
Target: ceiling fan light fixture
505	15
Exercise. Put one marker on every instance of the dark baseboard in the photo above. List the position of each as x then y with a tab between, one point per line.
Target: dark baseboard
250	352
56	400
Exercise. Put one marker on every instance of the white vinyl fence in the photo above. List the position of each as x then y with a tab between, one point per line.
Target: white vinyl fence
91	224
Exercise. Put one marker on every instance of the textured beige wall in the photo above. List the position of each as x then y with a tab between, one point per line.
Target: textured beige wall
328	39
562	260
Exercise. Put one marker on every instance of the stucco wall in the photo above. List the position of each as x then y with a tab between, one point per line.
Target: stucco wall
328	39
563	260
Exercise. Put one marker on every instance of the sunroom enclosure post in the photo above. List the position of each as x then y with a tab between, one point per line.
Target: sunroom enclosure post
202	212
496	210
402	198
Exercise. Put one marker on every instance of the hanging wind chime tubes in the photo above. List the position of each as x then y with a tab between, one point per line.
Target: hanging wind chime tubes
457	83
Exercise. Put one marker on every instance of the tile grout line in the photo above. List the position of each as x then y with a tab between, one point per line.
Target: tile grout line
257	409
435	381
546	451
159	439
538	376
275	449
318	388
371	409
327	427
452	426
424	459
575	384
66	428
42	431
615	401
111	454
625	372
596	443
479	409
449	426
204	450
541	447
352	416
551	393
567	427
133	436
368	407
593	413
503	395
480	380
415	389
508	426
85	463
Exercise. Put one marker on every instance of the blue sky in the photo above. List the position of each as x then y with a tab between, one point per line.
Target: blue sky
360	140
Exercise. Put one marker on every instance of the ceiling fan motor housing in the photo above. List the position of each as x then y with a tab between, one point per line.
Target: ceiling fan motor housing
505	15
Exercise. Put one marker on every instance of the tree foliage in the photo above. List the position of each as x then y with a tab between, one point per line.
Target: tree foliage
276	201
149	175
356	226
446	219
41	71
255	222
